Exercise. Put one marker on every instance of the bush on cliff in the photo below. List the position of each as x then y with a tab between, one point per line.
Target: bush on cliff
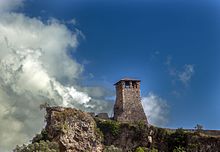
177	139
112	148
42	146
139	149
109	126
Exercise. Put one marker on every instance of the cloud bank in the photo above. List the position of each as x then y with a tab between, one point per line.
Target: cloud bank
35	68
156	109
9	5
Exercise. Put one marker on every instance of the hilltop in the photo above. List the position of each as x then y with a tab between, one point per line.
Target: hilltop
72	130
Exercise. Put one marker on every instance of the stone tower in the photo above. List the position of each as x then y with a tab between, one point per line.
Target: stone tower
128	107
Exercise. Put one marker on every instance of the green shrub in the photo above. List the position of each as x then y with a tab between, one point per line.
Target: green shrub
153	150
141	125
42	136
179	149
112	148
141	130
177	139
99	133
161	134
139	149
110	126
180	131
42	146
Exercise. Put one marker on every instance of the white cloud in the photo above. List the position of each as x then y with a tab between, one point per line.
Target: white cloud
8	5
72	21
187	73
168	60
34	56
183	75
51	39
35	67
33	64
156	109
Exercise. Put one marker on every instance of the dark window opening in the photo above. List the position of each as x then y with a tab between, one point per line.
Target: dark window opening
134	84
127	84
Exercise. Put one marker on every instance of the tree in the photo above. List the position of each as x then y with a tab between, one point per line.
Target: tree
199	127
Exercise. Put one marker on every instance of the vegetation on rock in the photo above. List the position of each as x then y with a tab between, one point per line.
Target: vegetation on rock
41	146
139	149
179	149
70	129
39	137
109	126
112	148
177	139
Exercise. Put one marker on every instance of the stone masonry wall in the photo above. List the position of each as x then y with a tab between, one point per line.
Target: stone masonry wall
128	107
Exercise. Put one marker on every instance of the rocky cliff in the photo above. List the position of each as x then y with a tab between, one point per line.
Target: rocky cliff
72	130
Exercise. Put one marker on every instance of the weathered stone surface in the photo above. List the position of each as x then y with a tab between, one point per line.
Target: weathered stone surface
128	107
74	130
203	144
130	136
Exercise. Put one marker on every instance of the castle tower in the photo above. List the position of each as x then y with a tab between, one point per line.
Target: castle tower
128	107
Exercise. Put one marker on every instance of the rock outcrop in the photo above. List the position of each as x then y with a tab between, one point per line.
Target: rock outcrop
74	130
71	130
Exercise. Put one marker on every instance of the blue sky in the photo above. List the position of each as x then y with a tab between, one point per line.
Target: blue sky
149	40
155	42
71	52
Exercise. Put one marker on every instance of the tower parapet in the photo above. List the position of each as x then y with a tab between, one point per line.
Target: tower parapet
128	107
